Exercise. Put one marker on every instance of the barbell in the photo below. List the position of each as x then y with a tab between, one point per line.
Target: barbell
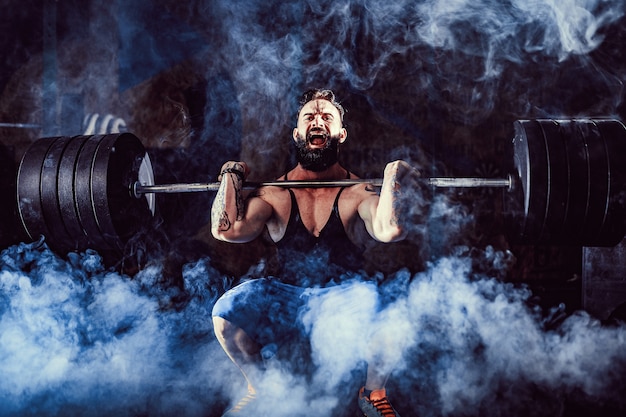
139	189
568	186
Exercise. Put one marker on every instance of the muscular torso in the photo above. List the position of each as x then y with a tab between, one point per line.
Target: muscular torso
318	231
315	205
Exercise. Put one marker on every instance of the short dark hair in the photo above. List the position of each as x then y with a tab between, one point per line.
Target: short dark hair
323	94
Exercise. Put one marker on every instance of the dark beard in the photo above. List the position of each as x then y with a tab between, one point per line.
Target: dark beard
317	159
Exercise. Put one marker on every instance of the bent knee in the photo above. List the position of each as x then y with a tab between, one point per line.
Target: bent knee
222	327
232	337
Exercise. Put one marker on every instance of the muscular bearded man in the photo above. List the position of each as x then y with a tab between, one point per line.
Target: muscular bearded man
334	222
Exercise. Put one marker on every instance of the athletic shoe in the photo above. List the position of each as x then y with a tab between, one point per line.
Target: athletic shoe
376	405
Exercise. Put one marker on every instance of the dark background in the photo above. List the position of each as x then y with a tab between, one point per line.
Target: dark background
438	84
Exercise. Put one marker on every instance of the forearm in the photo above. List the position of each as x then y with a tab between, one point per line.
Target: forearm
228	205
385	213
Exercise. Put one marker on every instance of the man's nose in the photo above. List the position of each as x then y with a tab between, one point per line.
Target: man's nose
317	121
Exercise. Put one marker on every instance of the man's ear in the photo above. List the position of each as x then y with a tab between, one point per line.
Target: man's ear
294	135
343	135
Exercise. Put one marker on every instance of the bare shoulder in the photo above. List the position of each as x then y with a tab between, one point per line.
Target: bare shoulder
278	198
361	191
350	205
274	196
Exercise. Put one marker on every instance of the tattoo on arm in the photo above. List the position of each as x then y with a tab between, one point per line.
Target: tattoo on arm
224	222
395	197
219	216
238	183
219	213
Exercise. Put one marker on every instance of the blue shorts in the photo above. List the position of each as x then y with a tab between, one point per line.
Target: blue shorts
271	312
265	308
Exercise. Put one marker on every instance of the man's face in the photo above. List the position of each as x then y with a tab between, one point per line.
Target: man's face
318	135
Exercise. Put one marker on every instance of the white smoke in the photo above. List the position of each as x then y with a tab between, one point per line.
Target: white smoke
356	41
470	336
556	28
76	339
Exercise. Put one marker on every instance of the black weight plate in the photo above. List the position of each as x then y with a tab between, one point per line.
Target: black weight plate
119	214
82	193
65	184
60	240
28	187
578	162
558	188
598	165
531	163
614	227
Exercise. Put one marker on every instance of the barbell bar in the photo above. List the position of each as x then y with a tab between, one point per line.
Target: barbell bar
568	186
138	189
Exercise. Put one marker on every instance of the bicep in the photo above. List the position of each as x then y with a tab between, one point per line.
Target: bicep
367	212
379	220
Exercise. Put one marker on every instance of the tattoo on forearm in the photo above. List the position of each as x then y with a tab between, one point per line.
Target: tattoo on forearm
219	215
224	222
238	183
394	185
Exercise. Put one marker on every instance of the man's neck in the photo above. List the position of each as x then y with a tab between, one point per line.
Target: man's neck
334	172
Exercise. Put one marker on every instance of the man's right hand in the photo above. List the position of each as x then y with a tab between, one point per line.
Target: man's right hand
237	168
